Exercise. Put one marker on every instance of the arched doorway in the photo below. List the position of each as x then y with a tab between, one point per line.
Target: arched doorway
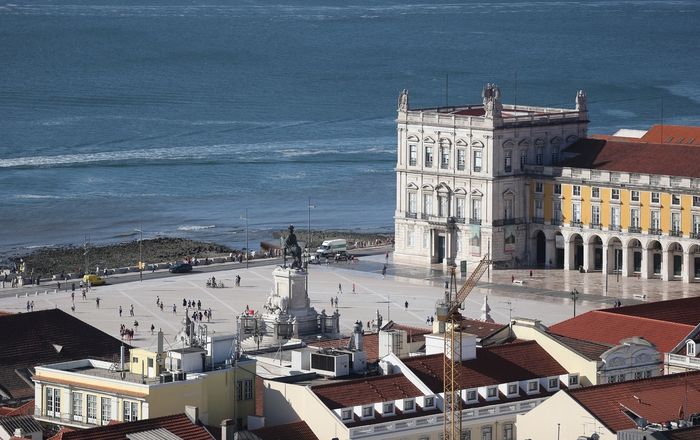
559	246
615	255
656	249
694	261
635	246
541	249
577	250
596	246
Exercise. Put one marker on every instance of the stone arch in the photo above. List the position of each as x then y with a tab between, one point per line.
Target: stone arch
541	248
412	185
595	252
674	259
575	244
524	143
477	144
413	138
508	144
428	140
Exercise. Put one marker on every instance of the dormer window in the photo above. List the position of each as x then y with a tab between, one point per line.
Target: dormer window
491	392
388	408
573	379
532	386
690	348
367	411
553	383
512	388
408	405
471	395
346	414
429	402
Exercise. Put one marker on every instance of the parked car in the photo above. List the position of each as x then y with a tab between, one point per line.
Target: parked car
180	268
342	256
93	279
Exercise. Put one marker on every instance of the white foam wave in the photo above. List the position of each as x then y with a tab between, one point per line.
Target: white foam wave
195	227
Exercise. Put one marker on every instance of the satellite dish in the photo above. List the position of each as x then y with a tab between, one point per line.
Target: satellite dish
642	422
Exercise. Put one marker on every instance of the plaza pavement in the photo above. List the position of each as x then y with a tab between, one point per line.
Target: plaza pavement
545	296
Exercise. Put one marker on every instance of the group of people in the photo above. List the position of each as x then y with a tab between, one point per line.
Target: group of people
129	333
377	242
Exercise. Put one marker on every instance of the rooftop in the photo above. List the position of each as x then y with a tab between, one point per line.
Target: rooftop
494	365
289	431
610	328
177	424
679	311
366	391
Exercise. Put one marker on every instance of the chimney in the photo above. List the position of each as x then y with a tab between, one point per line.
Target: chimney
192	413
357	334
228	429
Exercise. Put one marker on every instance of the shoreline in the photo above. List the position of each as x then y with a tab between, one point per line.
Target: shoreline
47	261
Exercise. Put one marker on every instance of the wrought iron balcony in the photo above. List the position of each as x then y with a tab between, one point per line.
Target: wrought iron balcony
654	231
675	233
614	228
555	222
412	162
445	165
506	221
594	226
539	220
477	169
474	221
460	166
428	163
695	235
576	224
460	220
634	230
424	216
411	215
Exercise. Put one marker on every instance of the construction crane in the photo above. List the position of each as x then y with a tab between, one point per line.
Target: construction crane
449	316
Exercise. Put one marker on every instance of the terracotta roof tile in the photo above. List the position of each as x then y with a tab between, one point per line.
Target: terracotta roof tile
413	333
680	311
480	328
493	365
22	410
633	157
364	391
611	328
178	424
370	343
589	349
59	434
30	339
289	431
672	134
656	399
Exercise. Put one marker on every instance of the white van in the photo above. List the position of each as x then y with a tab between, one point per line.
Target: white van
331	247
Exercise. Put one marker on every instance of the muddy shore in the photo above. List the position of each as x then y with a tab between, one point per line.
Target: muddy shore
49	261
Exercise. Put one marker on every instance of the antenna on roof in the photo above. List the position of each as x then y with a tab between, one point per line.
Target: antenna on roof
662	120
515	94
447	88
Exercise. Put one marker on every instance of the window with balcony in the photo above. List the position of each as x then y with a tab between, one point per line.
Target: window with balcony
595	217
539	187
577	191
595	193
53	402
556	213
655	223
461	209
444	157
615	194
508	161
539	212
428	157
428	204
676	222
555	155
412	198
634	221
675	199
576	212
461	160
444	206
412	155
557	189
696	227
508	208
477	161
635	196
523	159
615	218
476	209
655	197
538	156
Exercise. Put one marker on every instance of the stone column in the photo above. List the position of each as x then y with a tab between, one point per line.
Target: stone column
606	259
667	265
627	262
587	256
687	270
569	250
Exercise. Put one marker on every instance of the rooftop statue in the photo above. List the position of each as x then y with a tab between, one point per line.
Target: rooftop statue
581	101
492	101
403	100
291	247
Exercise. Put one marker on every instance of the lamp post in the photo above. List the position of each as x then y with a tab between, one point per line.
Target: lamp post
308	243
247	250
141	252
574	296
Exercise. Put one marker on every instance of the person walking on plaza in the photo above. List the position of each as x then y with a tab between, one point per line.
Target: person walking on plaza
336	302
31	306
384	271
512	279
406	305
97	304
174	309
120	311
131	310
153	327
331	302
353	287
340	288
530	273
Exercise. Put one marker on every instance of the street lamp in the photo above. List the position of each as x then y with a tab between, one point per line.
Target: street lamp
140	252
574	296
247	250
308	243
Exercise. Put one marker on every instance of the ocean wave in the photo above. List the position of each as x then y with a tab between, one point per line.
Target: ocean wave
195	228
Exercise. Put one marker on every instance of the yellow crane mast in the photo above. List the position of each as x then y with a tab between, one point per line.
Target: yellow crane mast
448	312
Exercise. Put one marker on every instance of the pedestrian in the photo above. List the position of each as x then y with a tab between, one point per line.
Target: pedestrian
27	305
84	294
336	302
384	271
72	297
136	325
200	316
31	306
427	320
161	307
158	300
331	302
512	279
184	302
387	256
174	309
81	284
353	287
432	319
368	328
530	273
153	327
120	311
210	312
131	310
153	268
340	288
405	305
58	285
73	308
97	304
199	305
73	287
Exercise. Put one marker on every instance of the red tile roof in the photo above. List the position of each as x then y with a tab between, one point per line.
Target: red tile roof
493	365
633	157
30	339
289	431
370	343
178	424
480	328
656	399
414	334
680	311
672	134
59	434
365	391
22	410
611	328
591	350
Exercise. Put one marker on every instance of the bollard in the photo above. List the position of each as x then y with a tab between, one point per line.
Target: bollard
26	293
16	295
46	292
36	293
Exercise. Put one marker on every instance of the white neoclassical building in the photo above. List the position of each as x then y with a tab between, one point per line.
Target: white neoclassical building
528	186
